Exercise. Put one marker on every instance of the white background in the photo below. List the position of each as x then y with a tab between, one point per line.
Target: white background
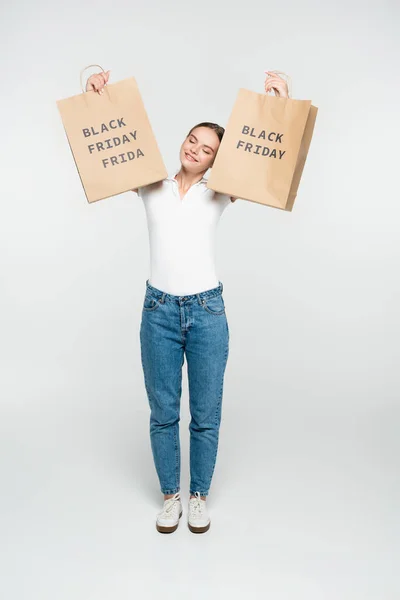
305	495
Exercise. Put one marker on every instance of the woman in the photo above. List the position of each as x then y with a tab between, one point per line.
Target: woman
184	315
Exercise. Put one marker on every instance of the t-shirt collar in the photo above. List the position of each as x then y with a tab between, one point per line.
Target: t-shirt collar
171	177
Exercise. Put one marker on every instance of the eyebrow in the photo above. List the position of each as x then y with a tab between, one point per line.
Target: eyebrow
192	135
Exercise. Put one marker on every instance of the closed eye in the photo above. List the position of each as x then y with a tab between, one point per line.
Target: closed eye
192	142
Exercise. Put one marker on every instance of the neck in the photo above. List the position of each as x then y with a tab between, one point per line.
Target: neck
186	179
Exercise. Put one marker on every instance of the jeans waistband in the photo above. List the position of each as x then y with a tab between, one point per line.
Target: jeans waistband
162	296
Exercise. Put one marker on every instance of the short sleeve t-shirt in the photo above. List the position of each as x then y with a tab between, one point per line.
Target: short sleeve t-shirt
182	235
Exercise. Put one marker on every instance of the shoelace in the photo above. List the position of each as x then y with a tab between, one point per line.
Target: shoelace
196	505
169	505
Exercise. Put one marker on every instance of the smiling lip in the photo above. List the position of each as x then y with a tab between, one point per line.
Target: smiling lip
192	157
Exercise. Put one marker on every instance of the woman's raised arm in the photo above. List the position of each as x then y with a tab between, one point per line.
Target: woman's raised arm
96	83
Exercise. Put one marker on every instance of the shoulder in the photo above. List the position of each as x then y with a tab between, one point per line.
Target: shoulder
225	199
150	188
219	200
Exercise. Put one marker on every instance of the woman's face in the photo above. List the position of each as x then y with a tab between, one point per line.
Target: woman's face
199	149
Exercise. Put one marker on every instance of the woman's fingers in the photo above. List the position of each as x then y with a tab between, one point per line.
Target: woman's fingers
98	81
95	82
276	83
271	75
274	78
104	78
270	82
273	82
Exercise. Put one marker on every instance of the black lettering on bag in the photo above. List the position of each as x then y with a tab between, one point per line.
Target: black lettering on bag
256	148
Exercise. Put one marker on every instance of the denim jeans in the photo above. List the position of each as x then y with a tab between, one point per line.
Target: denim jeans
173	327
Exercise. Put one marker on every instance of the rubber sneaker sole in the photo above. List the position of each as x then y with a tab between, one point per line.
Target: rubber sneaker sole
202	529
165	529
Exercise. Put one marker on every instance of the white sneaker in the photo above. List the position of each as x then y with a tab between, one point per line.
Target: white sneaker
198	519
168	518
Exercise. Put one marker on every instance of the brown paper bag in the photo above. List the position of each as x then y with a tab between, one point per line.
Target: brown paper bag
264	148
111	140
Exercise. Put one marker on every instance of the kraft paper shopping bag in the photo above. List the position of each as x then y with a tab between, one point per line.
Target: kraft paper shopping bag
111	139
264	149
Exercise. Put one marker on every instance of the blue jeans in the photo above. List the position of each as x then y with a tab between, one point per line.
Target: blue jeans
173	327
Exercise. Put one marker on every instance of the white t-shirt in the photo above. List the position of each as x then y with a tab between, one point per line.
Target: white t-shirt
182	235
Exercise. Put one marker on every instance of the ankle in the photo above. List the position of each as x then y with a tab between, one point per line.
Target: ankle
166	496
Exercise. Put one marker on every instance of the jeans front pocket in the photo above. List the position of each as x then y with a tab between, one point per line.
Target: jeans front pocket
150	303
214	305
